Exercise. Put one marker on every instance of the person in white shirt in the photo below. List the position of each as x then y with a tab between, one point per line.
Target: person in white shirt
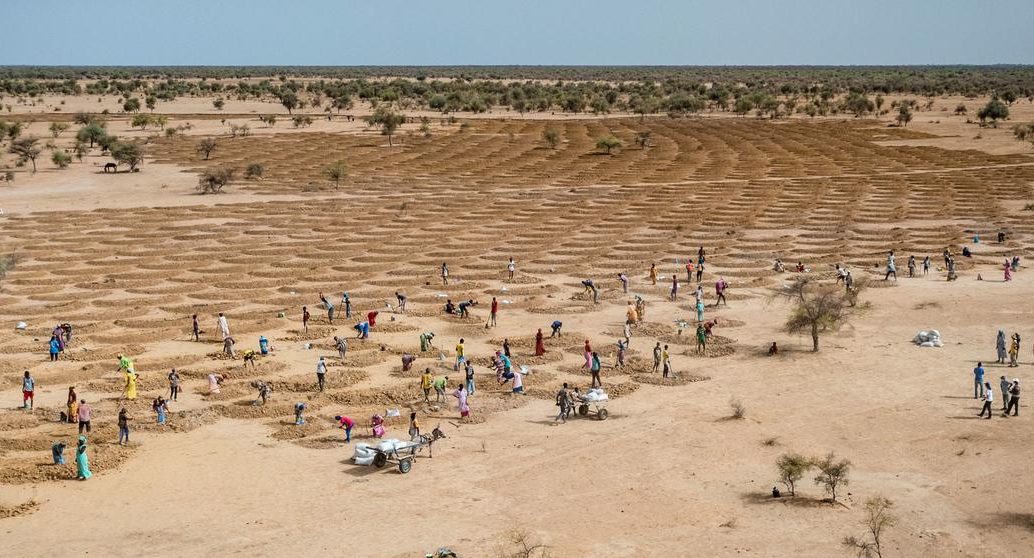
224	326
510	268
321	373
989	398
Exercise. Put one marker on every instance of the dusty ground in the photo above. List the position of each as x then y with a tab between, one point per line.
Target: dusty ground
127	258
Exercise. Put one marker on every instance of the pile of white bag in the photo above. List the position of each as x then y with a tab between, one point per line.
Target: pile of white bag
928	338
364	453
595	395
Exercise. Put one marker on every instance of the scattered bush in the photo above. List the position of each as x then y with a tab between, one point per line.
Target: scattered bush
877	518
994	111
792	467
26	149
254	170
738	409
832	474
212	181
205	147
608	143
61	159
335	172
551	137
127	154
57	128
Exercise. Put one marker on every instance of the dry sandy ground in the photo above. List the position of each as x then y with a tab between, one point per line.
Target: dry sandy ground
667	474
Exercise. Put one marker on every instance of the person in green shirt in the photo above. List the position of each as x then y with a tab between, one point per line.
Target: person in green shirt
439	388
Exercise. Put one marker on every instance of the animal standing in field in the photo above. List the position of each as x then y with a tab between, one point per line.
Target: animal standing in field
112	166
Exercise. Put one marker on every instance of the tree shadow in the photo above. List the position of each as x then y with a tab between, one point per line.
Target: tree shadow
999	520
762	498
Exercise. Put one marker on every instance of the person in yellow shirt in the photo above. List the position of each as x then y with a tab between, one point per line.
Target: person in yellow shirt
460	355
426	379
131	385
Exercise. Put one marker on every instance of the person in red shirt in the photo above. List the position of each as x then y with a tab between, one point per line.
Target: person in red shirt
346	423
493	312
305	318
372	318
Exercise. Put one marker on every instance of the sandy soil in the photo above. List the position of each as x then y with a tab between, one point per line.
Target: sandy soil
128	257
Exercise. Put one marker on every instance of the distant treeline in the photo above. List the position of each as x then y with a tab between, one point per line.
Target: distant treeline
600	89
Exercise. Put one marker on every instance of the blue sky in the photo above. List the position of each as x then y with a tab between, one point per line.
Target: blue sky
530	32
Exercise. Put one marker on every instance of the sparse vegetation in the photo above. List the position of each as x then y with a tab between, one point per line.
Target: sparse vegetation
792	467
212	181
27	149
737	408
878	518
61	159
336	171
92	132
388	120
126	153
608	143
818	308
994	111
832	474
57	128
551	137
904	115
205	147
254	170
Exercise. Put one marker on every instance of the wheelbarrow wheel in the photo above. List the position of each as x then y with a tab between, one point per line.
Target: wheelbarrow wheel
380	460
602	414
583	410
405	465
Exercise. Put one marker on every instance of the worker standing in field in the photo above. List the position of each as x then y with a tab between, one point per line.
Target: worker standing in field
305	318
653	274
342	346
674	295
891	267
196	328
321	373
624	282
329	306
511	268
224	325
657	357
445	274
493	312
719	289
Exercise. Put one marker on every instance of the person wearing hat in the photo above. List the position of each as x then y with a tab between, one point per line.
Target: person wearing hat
1014	398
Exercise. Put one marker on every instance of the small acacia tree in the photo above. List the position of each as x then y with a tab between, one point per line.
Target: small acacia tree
289	100
57	128
792	467
387	119
832	474
212	181
904	115
818	308
877	519
335	172
205	147
608	143
551	137
93	132
254	170
219	103
268	119
141	121
60	159
994	111
27	149
127	154
131	105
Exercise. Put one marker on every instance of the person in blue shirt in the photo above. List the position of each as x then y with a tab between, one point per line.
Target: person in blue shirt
978	381
55	347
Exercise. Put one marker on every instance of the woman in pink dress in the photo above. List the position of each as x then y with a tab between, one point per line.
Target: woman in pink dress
461	395
1008	270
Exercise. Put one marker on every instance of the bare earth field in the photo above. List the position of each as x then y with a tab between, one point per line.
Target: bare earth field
127	258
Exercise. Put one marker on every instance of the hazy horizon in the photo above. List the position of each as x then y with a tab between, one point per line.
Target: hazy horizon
534	33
